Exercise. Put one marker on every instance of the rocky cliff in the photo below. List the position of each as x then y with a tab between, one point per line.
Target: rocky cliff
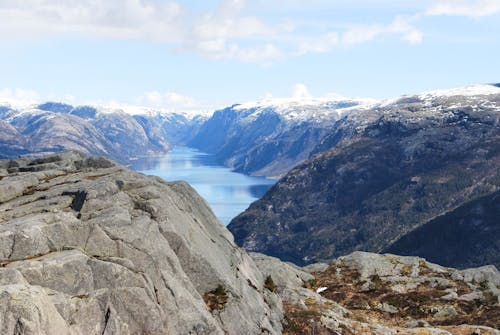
89	247
419	175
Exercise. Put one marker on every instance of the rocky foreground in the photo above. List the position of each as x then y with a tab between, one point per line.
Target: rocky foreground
90	247
366	293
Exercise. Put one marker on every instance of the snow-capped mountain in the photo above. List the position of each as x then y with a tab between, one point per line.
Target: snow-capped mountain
267	138
121	134
416	175
270	137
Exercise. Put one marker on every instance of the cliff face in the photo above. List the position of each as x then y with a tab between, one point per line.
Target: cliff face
384	175
89	247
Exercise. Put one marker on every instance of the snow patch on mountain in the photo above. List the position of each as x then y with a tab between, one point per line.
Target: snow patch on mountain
468	91
308	109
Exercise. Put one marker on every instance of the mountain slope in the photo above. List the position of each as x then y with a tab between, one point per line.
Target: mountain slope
470	233
271	137
12	142
380	175
53	127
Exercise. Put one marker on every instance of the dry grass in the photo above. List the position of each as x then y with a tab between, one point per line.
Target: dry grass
216	299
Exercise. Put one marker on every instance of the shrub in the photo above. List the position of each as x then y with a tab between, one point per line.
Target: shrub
269	284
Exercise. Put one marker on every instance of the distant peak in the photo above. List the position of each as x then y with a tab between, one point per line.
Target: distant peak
279	103
484	89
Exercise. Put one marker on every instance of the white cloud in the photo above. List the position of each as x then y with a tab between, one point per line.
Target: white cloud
300	91
221	49
19	97
226	32
401	25
474	8
124	19
217	34
168	100
321	44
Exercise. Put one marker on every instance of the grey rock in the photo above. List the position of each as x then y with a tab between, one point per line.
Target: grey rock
370	264
94	248
12	187
444	311
95	162
388	308
451	294
315	267
476	295
482	274
283	274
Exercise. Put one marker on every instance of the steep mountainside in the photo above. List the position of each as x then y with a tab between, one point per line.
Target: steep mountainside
53	127
386	176
270	138
12	142
470	233
89	247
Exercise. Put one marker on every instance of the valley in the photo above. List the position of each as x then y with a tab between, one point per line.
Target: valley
361	192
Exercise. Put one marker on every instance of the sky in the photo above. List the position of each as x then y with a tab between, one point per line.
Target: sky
203	55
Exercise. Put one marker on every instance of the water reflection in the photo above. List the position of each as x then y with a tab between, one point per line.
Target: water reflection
228	193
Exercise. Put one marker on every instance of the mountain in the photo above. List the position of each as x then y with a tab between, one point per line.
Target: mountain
120	134
386	178
90	247
11	141
470	233
270	137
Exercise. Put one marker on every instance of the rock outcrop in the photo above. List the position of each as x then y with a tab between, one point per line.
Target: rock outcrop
365	293
388	178
90	247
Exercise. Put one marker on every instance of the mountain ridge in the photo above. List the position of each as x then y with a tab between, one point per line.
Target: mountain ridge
378	175
54	127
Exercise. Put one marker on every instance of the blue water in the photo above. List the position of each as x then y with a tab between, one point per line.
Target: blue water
228	193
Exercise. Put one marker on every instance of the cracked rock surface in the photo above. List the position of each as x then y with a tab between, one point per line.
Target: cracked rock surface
367	293
90	247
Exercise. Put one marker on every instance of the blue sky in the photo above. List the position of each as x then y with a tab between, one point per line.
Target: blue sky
189	55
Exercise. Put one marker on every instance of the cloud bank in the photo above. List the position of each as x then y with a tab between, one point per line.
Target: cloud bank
223	32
